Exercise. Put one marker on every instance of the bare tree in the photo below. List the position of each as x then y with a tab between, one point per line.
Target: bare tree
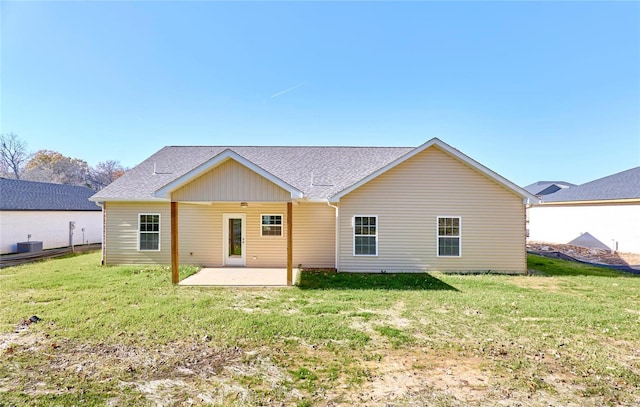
104	173
13	155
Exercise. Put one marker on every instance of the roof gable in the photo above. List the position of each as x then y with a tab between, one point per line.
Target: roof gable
437	143
19	195
319	172
165	191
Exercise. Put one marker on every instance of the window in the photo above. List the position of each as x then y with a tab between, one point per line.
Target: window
365	235
271	225
149	231
449	236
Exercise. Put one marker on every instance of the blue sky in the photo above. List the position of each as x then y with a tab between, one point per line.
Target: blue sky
533	90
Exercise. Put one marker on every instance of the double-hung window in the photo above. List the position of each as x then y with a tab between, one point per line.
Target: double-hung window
271	225
149	231
449	244
365	235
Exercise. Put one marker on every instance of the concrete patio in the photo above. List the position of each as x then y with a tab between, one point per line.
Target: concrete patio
240	277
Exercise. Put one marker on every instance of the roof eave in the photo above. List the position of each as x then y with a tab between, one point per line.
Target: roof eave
591	202
112	199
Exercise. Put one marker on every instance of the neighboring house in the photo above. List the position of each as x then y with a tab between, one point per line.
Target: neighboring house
39	211
607	208
355	209
541	188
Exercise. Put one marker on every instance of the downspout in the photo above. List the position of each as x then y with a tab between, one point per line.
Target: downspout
104	232
527	205
337	238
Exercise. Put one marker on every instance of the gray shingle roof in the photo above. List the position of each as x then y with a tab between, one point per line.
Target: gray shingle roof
316	173
547	187
623	185
320	172
18	195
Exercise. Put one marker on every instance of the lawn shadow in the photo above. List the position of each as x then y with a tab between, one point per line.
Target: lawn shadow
310	280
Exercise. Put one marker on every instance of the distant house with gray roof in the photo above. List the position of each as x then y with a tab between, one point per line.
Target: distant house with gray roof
39	211
541	188
354	209
607	208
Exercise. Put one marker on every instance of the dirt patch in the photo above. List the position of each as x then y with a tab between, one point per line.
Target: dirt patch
194	372
179	373
588	254
406	374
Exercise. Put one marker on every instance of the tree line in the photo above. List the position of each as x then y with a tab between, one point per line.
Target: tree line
50	166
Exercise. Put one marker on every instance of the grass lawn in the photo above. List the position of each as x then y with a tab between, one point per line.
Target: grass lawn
568	335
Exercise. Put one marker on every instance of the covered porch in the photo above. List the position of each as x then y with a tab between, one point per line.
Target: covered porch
241	277
229	212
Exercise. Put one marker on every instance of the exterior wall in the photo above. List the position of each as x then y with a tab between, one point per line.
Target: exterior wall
260	251
314	235
408	199
50	227
121	233
611	224
199	234
231	181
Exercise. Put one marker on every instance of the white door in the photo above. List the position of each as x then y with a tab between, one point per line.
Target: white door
234	228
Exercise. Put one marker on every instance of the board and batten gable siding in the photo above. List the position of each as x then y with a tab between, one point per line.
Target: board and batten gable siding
407	200
314	235
231	182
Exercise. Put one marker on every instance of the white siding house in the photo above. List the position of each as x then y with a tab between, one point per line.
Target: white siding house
38	211
607	208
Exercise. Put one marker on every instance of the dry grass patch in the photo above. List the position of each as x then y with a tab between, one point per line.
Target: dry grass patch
125	336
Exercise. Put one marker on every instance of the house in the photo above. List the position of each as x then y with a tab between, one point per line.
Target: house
355	209
43	212
607	209
541	188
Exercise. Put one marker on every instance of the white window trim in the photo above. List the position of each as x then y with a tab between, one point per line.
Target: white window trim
159	232
459	235
281	225
353	232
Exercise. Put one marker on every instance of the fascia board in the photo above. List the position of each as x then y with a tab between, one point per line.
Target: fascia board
591	202
99	200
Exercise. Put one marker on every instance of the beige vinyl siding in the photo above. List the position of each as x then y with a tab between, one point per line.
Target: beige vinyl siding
260	251
199	235
121	232
314	231
408	199
231	182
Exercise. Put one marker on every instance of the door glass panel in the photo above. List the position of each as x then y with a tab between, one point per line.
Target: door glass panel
235	237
